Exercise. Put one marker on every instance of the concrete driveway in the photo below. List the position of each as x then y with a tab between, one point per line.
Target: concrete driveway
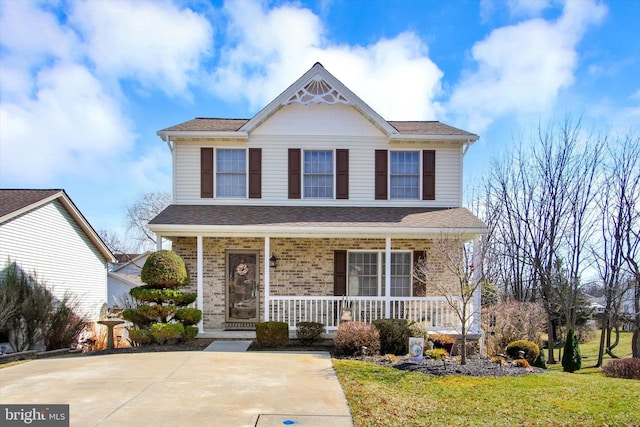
184	389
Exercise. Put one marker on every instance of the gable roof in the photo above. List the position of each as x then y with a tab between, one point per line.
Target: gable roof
14	203
316	85
315	221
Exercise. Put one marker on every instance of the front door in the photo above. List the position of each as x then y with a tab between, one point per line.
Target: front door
242	286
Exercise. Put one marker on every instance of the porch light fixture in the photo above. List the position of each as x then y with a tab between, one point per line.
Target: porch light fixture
273	261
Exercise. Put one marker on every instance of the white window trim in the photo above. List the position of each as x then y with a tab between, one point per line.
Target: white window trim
246	173
333	174
420	173
380	280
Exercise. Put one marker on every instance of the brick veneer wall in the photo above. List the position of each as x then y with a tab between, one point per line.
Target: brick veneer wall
305	266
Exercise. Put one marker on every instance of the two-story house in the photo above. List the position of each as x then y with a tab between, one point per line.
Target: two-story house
292	215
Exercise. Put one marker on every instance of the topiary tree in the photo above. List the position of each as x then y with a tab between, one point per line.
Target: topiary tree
571	358
160	300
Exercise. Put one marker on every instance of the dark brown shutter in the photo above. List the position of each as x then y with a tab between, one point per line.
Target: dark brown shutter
342	174
429	175
295	173
381	165
255	173
206	172
339	273
419	287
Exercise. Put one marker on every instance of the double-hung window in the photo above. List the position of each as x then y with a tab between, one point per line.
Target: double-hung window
404	177
231	173
318	174
366	273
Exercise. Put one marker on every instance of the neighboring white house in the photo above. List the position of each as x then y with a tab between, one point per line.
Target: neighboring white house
45	233
124	276
291	215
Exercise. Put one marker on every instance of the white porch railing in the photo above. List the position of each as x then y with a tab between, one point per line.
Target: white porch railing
434	312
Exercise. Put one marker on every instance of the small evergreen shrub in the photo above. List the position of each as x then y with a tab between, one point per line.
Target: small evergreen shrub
436	354
136	318
165	268
150	294
139	337
541	361
521	363
157	312
394	335
418	330
188	316
531	350
571	358
623	368
272	334
443	341
190	332
165	333
309	332
351	337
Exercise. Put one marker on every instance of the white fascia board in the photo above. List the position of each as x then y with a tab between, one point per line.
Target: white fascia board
239	135
312	232
463	139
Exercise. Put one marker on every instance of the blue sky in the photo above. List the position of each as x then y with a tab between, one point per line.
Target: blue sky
84	86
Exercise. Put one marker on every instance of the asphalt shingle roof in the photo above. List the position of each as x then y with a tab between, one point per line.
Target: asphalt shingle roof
14	200
318	216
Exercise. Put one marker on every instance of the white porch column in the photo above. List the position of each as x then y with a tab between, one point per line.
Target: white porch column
158	242
475	278
387	278
267	251
200	279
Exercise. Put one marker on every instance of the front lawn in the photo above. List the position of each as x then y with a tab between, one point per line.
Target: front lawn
383	396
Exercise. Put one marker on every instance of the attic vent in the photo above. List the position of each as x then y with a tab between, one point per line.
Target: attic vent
317	91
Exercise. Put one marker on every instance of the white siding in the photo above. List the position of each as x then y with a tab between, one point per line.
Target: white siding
326	127
48	241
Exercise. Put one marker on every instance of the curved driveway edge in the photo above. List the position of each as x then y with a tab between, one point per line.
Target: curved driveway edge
182	388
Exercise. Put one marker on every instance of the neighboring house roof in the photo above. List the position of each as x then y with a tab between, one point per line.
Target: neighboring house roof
311	85
315	221
14	203
129	272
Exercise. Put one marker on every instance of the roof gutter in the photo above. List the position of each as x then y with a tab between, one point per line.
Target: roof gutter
409	137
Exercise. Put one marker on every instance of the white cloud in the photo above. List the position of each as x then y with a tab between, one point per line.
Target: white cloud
394	76
156	43
71	127
522	67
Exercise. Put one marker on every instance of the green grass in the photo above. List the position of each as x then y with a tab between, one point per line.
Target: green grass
589	352
382	396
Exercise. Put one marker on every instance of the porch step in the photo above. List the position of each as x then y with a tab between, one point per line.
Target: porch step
229	346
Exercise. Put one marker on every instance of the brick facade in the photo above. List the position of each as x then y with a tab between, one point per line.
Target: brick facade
305	267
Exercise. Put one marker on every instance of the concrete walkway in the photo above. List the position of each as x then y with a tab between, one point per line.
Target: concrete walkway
184	389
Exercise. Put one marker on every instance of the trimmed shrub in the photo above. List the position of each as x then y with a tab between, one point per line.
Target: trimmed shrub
136	318
541	361
531	350
571	358
521	363
394	336
157	313
139	337
165	268
351	337
309	332
152	294
188	316
436	354
272	334
166	333
190	332
623	368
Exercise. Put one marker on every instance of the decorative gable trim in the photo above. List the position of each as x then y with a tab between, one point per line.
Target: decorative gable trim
317	79
318	91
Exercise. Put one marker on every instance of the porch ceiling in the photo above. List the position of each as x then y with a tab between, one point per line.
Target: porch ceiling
316	221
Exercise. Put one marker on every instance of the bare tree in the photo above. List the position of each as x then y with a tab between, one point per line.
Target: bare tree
450	274
618	247
145	207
